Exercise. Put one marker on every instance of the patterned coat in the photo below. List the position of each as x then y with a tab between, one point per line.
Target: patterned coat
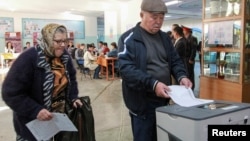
28	87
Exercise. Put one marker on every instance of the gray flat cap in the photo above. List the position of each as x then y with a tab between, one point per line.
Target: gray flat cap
154	6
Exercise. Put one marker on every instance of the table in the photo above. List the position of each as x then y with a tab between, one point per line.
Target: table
8	56
104	62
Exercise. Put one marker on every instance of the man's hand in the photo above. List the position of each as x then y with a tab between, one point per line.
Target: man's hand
161	90
186	82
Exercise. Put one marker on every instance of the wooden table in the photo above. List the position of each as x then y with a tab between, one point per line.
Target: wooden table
104	62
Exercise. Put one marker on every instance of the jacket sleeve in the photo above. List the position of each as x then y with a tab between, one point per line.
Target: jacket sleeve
194	44
131	67
177	66
17	87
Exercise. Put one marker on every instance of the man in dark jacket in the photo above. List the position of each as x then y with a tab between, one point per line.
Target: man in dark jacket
147	59
192	44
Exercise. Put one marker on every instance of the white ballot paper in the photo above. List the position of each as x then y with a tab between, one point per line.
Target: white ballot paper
185	97
44	130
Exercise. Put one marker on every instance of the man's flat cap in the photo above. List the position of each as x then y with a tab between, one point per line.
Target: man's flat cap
154	6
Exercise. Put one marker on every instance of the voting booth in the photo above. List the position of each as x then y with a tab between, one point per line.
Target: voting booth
191	123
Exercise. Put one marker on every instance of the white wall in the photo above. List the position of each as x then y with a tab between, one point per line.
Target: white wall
124	19
90	25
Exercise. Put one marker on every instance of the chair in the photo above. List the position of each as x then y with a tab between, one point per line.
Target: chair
83	70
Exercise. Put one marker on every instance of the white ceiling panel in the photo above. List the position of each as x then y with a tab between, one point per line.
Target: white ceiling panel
186	8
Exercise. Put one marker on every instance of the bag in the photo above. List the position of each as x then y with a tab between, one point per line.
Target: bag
83	119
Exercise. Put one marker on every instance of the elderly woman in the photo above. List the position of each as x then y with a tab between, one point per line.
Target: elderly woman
40	81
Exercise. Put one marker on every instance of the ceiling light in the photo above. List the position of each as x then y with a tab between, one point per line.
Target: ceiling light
172	2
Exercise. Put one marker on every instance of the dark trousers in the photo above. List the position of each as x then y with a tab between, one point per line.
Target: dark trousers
97	71
191	74
144	126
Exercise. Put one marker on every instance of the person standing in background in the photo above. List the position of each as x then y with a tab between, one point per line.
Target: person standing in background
199	52
44	84
173	26
192	43
170	34
27	46
79	56
145	83
181	45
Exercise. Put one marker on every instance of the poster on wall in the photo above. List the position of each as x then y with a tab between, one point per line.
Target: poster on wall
219	32
31	26
15	39
6	25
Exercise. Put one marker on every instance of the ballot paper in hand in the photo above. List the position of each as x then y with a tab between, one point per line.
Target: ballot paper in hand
185	97
44	130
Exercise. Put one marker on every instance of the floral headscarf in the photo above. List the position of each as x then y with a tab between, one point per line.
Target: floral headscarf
46	39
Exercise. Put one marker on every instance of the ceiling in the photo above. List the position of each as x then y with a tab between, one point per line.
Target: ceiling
186	8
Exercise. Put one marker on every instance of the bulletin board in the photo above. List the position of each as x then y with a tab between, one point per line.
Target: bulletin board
31	26
6	25
15	39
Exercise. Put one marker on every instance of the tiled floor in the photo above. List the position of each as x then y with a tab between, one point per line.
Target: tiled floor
112	122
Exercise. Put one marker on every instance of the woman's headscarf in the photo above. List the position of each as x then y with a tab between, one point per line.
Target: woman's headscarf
46	39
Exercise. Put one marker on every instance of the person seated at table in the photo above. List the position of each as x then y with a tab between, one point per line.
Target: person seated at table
9	49
113	53
90	61
79	56
105	49
27	46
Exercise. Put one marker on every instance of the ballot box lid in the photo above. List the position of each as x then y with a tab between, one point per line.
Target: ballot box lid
203	111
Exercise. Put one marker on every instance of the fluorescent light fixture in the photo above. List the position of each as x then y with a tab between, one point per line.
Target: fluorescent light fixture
172	2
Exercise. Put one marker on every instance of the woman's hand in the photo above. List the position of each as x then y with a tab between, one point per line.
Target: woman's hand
44	114
77	103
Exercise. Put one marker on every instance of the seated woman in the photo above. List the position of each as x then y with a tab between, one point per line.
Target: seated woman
114	53
9	49
79	57
90	61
